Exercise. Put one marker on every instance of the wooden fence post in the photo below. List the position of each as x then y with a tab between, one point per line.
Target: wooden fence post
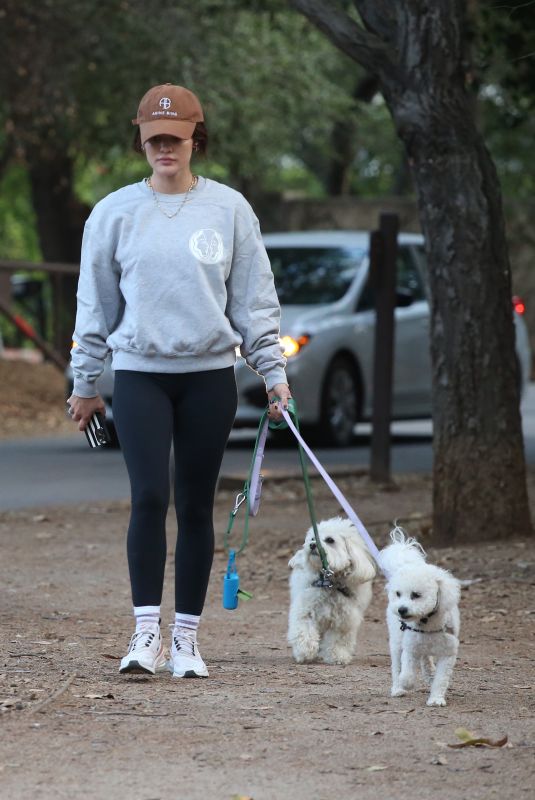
383	257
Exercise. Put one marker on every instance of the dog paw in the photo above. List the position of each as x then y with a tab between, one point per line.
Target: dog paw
301	657
342	661
436	701
397	691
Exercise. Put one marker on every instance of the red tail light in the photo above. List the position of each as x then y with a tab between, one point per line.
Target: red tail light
518	304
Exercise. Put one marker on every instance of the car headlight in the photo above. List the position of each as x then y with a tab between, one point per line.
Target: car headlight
292	346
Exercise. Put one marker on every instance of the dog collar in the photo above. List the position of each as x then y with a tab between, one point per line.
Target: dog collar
405	627
327	583
424	620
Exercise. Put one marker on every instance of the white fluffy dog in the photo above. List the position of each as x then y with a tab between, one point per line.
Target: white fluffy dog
422	616
324	622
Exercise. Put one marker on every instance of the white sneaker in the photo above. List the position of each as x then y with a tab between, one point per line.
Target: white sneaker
145	652
186	661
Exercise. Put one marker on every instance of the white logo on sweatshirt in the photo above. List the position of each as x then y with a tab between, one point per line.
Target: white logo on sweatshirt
206	246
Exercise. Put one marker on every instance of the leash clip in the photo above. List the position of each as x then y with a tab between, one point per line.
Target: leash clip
325	581
241	497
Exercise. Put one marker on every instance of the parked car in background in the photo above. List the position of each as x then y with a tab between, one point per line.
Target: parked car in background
328	330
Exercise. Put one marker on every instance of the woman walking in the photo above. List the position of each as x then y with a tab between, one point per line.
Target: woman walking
173	278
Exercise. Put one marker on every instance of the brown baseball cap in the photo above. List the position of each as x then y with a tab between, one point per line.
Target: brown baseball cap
168	109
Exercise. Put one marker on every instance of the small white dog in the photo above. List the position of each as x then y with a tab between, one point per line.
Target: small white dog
324	622
422	616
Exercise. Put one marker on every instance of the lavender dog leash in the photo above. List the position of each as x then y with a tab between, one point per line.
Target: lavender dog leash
255	486
337	493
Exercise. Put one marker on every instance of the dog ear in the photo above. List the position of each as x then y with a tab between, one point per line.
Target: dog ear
450	588
297	560
363	565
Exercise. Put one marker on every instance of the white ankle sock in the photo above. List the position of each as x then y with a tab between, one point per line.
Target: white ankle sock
146	615
186	624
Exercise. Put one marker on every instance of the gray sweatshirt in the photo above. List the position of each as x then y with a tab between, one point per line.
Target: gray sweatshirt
174	295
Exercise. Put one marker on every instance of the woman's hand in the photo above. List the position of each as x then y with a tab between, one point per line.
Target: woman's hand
82	409
283	393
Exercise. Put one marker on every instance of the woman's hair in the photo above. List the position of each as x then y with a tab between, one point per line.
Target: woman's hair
200	139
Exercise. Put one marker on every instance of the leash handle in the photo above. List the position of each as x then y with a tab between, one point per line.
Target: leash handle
337	493
251	487
255	478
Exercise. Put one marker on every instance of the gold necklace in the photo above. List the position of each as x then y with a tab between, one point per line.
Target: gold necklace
193	184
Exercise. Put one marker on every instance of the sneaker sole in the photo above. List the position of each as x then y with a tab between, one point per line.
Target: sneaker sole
190	673
135	668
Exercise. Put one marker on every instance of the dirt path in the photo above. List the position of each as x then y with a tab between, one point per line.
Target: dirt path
260	726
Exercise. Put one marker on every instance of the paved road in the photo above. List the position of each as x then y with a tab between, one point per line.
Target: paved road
41	472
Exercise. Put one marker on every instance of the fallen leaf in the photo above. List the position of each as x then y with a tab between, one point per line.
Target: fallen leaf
376	768
440	760
469	739
109	655
516	686
464	734
108	696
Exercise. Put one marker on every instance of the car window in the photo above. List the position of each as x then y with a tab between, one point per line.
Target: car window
408	279
309	275
421	259
408	275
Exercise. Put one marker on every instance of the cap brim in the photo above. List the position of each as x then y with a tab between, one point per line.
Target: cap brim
179	128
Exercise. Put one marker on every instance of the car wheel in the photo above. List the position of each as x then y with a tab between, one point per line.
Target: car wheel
340	404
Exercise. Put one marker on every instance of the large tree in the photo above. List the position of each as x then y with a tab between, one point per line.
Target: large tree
417	50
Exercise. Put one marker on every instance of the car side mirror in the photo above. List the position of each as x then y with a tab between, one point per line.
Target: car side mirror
404	298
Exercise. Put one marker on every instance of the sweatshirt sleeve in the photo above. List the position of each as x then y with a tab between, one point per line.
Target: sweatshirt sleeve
252	305
99	308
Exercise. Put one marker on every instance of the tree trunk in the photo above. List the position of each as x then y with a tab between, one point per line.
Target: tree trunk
417	50
479	473
60	222
60	216
344	141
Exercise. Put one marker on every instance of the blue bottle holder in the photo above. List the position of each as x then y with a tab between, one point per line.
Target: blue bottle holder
231	583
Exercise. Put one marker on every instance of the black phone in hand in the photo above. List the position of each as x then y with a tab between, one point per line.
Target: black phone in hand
96	431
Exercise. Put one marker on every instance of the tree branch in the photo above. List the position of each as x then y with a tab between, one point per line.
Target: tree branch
378	17
345	33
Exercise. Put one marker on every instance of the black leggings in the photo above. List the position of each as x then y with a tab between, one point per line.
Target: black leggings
196	410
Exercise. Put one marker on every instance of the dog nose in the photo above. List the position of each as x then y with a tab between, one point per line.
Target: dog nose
312	545
402	611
